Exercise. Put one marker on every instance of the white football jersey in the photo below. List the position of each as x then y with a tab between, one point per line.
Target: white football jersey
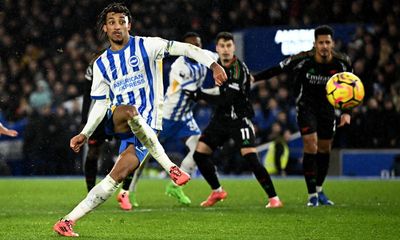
133	76
185	74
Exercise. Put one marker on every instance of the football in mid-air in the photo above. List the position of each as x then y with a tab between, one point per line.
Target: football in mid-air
344	90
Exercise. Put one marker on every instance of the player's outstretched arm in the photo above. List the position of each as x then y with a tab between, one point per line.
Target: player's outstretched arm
211	95
267	73
184	49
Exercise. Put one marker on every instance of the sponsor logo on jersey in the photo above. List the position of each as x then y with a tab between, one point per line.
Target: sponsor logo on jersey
129	82
317	79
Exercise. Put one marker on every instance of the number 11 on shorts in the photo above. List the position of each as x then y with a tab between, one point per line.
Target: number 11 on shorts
245	133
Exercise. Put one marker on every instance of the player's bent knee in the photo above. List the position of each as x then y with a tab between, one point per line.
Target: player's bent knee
245	151
131	112
310	146
203	148
125	112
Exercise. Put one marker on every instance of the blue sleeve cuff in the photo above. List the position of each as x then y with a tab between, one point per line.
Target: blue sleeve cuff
99	97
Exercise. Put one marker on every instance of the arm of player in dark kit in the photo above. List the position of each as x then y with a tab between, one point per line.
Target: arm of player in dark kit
211	95
268	73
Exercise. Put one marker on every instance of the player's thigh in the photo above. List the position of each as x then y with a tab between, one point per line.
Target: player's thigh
94	149
326	130
243	134
326	125
213	136
310	143
307	120
121	115
126	163
324	145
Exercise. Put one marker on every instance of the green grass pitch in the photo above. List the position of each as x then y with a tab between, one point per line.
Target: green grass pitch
365	209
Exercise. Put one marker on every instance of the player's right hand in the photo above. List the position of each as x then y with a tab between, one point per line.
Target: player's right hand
219	74
77	142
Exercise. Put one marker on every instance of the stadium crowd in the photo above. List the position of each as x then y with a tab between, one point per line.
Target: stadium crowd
45	47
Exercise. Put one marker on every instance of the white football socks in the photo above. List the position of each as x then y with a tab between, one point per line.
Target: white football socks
188	164
319	188
99	194
149	139
310	195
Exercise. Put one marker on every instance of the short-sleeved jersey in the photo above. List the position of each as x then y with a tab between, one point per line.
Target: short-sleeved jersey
311	77
133	76
185	74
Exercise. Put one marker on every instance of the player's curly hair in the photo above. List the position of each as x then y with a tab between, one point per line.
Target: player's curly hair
112	7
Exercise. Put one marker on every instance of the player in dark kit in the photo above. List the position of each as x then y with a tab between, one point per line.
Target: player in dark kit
315	116
231	119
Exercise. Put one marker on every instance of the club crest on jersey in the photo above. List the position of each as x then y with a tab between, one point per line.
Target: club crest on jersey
133	61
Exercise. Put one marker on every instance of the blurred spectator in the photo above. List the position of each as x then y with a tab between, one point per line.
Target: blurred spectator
41	97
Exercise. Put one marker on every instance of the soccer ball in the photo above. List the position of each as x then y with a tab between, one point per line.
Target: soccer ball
344	90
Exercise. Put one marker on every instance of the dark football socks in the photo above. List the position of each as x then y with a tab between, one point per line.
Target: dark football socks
261	174
309	172
207	169
90	172
322	160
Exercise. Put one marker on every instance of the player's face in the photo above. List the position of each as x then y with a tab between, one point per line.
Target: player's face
324	46
194	41
117	27
225	49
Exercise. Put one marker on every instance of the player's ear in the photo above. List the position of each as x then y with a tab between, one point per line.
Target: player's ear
104	28
129	26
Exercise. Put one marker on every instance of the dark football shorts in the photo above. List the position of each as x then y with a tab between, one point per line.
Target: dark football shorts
321	120
219	131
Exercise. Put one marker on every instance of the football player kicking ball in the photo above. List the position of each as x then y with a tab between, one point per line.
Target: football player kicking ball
315	115
96	143
127	76
178	121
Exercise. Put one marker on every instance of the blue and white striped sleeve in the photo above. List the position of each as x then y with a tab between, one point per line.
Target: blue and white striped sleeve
100	88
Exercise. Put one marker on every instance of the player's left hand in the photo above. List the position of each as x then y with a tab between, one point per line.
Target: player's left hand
219	74
344	119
